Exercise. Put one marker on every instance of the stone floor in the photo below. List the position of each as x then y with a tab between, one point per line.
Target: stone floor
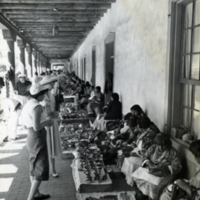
14	170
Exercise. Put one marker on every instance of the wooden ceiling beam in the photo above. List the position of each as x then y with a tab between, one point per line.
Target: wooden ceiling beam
51	12
52	50
64	30
61	29
58	53
50	25
57	1
44	6
53	16
39	45
40	33
56	20
55	40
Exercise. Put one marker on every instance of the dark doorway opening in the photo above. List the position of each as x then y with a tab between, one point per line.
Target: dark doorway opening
84	68
93	78
109	66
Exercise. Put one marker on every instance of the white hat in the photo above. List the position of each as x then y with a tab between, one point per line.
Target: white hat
22	75
36	88
48	79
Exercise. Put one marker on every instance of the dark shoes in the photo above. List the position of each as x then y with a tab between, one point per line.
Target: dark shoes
55	175
42	196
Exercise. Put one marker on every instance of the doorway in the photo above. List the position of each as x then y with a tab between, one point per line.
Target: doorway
84	68
109	66
93	78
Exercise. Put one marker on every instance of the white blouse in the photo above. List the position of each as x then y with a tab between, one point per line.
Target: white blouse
27	113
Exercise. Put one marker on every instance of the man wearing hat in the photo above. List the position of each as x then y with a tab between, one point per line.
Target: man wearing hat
21	90
22	86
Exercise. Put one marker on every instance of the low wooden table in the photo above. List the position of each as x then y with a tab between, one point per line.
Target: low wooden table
83	186
108	195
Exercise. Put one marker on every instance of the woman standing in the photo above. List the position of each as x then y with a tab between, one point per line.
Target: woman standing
53	139
36	140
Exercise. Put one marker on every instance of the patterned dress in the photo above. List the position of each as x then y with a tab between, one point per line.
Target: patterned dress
142	142
169	158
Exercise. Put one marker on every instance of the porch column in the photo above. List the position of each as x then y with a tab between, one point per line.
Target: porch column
21	45
29	64
10	76
38	63
34	61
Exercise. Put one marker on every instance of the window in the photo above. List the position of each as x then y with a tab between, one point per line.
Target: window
185	107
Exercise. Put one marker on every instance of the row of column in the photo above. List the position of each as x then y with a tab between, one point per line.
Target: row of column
34	63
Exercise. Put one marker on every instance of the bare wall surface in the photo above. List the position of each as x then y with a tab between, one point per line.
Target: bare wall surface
140	54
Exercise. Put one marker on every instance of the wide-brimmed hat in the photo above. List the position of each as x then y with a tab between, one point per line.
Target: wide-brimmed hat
48	79
22	75
36	88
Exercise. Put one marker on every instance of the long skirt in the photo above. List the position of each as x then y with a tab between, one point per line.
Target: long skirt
38	154
130	164
151	190
53	140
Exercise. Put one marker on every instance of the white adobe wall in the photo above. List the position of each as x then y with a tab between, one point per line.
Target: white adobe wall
140	54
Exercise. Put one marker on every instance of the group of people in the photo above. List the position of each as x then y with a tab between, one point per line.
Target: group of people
139	148
136	145
37	106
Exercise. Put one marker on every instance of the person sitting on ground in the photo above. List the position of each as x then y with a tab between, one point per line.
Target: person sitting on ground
112	112
123	133
96	104
183	188
161	160
137	111
86	96
143	140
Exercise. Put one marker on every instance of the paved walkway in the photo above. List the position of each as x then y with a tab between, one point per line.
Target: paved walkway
14	174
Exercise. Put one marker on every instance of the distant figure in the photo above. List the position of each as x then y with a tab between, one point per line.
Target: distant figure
96	104
1	84
21	89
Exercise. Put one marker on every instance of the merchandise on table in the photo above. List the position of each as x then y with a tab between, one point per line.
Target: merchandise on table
67	107
70	136
91	162
129	195
107	197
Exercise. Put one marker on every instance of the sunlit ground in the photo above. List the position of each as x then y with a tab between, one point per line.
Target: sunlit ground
5	184
8	169
9	153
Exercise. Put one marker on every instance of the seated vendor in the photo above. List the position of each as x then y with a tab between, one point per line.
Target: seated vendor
143	140
183	188
87	93
96	104
112	112
125	132
137	111
161	160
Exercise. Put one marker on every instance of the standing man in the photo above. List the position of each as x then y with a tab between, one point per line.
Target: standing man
21	89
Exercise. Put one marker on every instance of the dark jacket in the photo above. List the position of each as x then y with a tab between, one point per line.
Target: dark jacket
114	110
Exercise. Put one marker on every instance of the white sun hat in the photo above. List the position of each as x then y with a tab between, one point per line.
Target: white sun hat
36	88
48	79
22	75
